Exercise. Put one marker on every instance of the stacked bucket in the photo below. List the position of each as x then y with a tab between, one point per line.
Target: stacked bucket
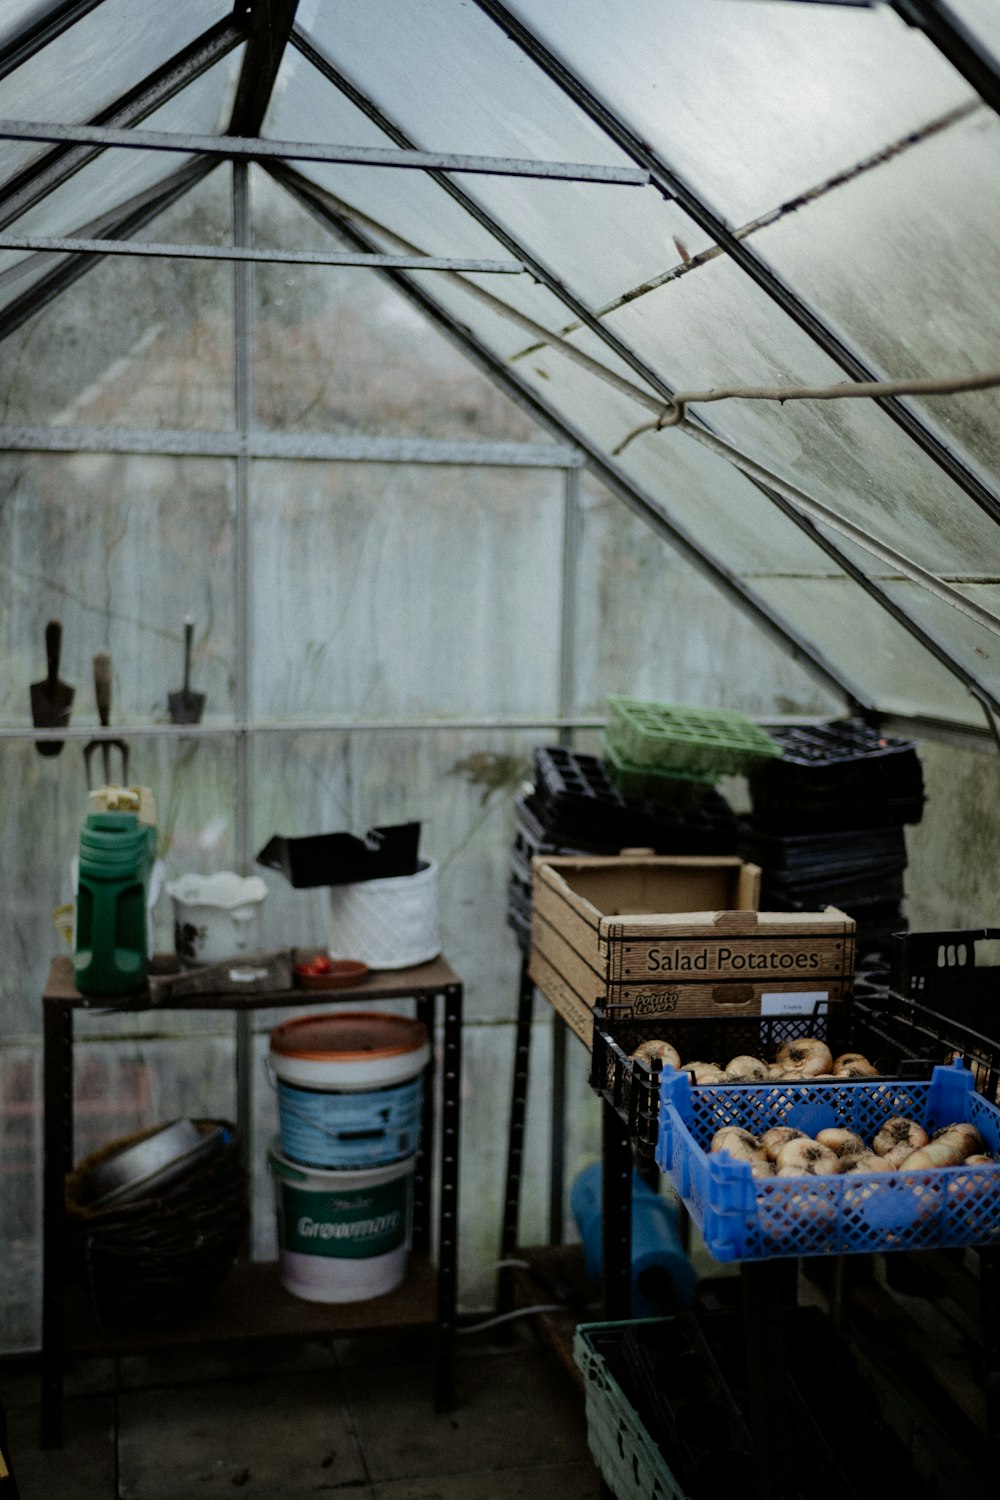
350	1089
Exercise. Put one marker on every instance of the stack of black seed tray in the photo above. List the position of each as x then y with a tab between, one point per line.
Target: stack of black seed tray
573	807
827	825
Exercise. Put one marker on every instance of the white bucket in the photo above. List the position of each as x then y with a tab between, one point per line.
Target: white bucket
350	1087
342	1236
387	924
216	917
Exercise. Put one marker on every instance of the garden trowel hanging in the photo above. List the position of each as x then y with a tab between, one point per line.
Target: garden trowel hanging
51	700
185	706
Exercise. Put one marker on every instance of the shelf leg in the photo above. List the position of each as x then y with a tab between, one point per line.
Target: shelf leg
616	1204
515	1136
557	1132
451	1098
58	1161
770	1291
425	1156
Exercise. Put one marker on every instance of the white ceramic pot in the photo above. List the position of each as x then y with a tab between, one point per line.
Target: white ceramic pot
216	917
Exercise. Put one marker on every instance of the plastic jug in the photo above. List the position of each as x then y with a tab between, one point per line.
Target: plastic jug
663	1278
116	858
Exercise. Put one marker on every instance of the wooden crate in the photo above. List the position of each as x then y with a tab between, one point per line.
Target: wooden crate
652	936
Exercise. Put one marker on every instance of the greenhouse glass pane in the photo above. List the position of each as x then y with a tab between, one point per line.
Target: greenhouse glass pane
473	92
715	328
915	289
868	646
163	361
409	206
982	18
389	591
752	104
77	535
650	626
459	784
114	177
89	66
339	350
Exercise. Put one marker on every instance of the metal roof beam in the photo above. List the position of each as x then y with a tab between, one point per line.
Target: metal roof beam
29	41
662	175
269	26
259	150
640	503
157	251
957	43
42	177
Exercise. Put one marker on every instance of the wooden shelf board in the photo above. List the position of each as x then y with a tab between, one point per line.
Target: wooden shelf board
252	1304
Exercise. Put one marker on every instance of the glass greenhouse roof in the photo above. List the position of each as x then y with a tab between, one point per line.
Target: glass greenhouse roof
683	196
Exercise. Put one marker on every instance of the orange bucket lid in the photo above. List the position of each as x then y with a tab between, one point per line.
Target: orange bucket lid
348	1036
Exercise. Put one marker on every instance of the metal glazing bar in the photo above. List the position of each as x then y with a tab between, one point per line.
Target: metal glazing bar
43	176
471	205
170	442
322	208
957	43
25	44
668	180
269	24
243	398
312	726
155	250
609	474
238	148
569	586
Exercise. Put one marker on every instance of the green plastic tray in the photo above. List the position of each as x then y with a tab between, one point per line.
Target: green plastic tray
673	737
630	1462
664	788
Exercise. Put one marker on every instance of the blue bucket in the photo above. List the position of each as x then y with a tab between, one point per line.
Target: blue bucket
350	1088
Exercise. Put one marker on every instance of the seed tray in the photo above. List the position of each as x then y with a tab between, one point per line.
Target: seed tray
777	811
838	758
806	856
575	799
743	1218
675	737
663	788
633	1087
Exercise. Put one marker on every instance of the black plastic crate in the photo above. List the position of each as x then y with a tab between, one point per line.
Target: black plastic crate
633	1087
923	1032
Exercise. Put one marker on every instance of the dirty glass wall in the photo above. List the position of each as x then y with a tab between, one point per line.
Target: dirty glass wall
404	652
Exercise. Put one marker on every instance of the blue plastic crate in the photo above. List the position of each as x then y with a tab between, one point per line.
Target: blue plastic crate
742	1217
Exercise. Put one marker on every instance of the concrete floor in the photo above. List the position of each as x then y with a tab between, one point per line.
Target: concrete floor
317	1418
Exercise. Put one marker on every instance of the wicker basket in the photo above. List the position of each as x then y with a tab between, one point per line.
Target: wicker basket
160	1258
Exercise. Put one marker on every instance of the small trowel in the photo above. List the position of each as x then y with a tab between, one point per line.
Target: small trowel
185	706
51	700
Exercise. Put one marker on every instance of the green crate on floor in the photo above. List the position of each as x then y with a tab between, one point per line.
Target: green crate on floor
676	738
630	1462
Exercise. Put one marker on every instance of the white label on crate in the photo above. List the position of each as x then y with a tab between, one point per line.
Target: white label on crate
794	1003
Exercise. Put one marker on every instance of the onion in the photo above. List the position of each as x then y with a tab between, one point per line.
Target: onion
839	1140
750	1068
772	1140
979	1159
962	1136
656	1050
853	1065
702	1070
805	1057
899	1131
741	1144
862	1161
762	1168
895	1158
807	1156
